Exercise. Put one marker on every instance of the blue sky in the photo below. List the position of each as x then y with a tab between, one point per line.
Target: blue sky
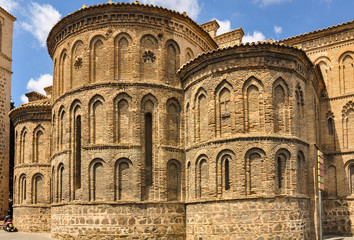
259	19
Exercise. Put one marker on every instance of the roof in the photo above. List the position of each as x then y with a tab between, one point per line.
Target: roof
43	104
8	14
315	33
85	8
204	55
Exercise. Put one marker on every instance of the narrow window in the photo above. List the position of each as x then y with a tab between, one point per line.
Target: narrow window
77	166
148	148
227	175
279	172
330	126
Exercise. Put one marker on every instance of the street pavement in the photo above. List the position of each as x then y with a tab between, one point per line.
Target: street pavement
24	236
46	236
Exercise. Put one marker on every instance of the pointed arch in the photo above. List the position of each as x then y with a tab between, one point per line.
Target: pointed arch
148	61
189	55
173	120
97	59
64	70
299	111
77	60
280	106
253	105
348	124
172	61
23	145
201	115
124	180
223	105
122	56
189	126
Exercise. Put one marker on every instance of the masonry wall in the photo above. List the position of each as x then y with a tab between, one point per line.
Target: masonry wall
249	219
129	220
32	177
6	27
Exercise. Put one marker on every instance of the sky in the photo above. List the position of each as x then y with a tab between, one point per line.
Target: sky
259	19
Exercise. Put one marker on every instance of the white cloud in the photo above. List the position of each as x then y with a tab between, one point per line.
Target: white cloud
38	85
278	29
269	2
191	7
255	37
8	5
39	20
225	26
24	99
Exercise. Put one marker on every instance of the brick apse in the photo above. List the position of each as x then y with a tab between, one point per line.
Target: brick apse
156	128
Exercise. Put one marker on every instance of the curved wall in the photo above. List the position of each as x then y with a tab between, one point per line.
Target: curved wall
247	142
32	167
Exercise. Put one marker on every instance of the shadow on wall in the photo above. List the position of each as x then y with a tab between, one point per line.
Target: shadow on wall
339	176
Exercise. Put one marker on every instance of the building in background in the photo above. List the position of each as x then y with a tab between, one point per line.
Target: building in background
6	29
157	128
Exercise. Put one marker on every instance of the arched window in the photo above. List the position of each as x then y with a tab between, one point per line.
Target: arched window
98	181
254	171
149	111
351	175
188	180
148	51
23	146
332	181
173	122
60	182
253	105
280	106
77	60
301	173
38	190
124	181
123	62
202	116
282	158
202	177
172	61
348	124
122	128
39	146
223	108
97	120
23	189
330	126
64	71
173	180
223	180
98	59
62	128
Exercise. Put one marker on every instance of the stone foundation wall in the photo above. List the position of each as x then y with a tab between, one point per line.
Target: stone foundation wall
119	221
32	219
337	217
278	218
